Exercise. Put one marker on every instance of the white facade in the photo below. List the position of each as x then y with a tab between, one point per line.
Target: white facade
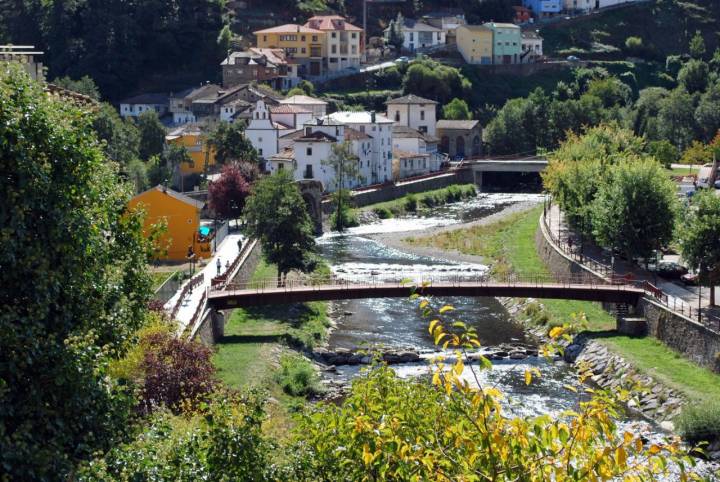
584	5
414	112
532	47
418	35
379	128
418	144
263	133
316	106
409	164
134	110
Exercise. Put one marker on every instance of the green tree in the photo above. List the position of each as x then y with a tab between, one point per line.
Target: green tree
611	91
707	113
693	76
346	173
700	238
456	109
152	135
635	208
697	46
435	81
137	175
121	137
646	110
74	285
676	119
275	213
230	144
224	39
395	36
84	85
663	151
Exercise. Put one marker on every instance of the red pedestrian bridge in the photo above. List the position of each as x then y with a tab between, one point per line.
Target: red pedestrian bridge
267	292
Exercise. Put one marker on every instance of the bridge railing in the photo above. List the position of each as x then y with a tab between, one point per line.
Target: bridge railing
539	280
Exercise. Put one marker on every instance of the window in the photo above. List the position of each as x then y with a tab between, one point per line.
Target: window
281	166
333	49
260	152
353	35
264	38
362	129
333	35
302	50
314	38
411	36
308	171
422	115
302	38
308	151
291	50
259	139
397	116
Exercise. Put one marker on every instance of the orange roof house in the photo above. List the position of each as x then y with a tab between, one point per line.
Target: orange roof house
181	213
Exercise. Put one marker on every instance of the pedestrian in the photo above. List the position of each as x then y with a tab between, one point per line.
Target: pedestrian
219	265
570	244
227	265
239	245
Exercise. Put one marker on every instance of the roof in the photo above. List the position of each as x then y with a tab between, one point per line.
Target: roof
355	135
287	154
531	34
447	12
186	129
149	98
416	26
457	124
193	93
288	109
317	136
410	99
361	117
288	28
501	25
331	22
477	28
399	154
176	195
280	125
256	55
302	99
404	132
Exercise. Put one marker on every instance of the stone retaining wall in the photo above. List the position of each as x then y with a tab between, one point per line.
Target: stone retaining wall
212	326
690	338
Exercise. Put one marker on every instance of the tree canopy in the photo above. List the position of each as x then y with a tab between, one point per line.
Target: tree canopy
700	237
226	196
230	144
456	109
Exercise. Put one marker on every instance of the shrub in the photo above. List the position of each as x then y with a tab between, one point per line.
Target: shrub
411	203
699	423
634	46
297	376
383	213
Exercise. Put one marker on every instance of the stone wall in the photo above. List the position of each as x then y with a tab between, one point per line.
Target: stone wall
395	191
212	326
686	336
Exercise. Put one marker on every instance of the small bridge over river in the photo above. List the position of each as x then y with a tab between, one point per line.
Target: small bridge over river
266	292
481	166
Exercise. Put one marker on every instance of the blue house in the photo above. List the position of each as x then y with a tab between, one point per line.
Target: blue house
543	8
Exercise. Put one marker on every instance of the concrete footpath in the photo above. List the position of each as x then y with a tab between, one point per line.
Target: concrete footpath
226	253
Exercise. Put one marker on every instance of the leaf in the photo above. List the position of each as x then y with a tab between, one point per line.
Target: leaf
555	332
621	456
654	449
571	388
459	324
433	324
528	377
445	308
424	303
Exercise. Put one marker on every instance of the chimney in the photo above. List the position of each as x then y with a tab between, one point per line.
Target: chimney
372	116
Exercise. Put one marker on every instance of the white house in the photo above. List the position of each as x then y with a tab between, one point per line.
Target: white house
447	20
379	128
316	106
419	35
532	46
408	140
263	132
134	106
413	111
409	164
311	146
290	115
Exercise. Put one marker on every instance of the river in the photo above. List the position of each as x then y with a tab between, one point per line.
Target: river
360	255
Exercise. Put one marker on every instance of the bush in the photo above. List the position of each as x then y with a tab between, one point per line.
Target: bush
634	46
383	213
699	423
297	376
411	203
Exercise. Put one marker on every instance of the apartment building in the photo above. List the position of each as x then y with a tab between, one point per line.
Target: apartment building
344	42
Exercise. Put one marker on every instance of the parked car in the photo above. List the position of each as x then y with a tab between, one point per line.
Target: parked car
671	269
689	279
402	60
572	58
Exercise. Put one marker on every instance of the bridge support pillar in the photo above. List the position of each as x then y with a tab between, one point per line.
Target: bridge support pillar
217	319
478	180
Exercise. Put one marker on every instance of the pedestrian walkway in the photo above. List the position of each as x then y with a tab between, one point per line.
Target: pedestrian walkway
680	296
226	253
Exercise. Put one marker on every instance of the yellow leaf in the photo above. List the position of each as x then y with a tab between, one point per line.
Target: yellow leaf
459	366
654	449
638	444
571	388
433	324
445	308
528	377
621	456
424	303
367	456
627	438
555	332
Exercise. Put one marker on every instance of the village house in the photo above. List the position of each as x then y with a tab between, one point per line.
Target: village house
406	139
344	42
532	46
211	103
413	111
522	15
134	106
264	132
447	20
25	56
580	6
316	106
507	42
269	66
302	45
181	214
194	140
408	164
475	44
544	8
190	105
419	35
460	138
379	128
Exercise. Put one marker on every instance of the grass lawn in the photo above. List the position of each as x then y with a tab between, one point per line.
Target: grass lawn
682	171
510	242
159	277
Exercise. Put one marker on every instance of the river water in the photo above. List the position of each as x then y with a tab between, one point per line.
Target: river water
397	323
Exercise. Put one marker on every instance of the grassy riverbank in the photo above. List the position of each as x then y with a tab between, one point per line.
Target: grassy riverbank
510	244
257	338
428	199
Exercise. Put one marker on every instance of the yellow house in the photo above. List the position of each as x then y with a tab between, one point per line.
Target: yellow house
302	45
475	44
195	141
181	213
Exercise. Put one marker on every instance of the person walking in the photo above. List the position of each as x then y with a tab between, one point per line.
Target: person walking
219	266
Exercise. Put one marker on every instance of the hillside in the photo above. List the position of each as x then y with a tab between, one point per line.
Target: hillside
665	26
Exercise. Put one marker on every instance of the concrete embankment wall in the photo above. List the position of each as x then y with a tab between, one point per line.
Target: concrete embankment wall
682	334
212	326
395	191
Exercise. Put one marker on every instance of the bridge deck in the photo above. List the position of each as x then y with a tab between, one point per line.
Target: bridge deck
235	298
